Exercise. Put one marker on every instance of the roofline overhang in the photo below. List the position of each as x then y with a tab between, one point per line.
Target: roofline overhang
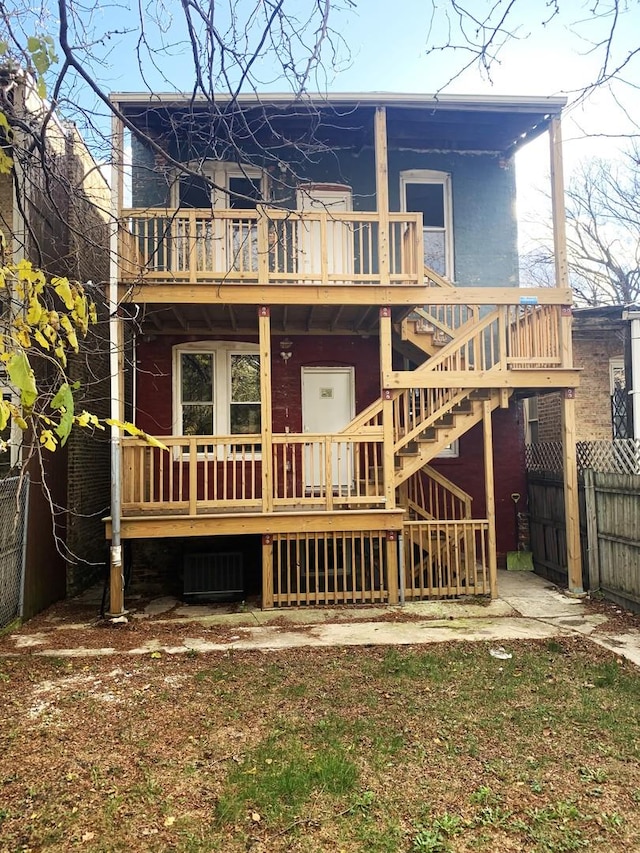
472	103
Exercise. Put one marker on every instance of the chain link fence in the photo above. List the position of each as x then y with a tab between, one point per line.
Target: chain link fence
13	531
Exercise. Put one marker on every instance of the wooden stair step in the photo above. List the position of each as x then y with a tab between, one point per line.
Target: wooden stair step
464	407
429	434
447	420
410	449
480	394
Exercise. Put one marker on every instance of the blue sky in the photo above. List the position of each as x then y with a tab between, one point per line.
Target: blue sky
385	49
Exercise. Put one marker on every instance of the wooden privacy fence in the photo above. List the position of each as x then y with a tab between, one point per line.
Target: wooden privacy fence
609	519
612	509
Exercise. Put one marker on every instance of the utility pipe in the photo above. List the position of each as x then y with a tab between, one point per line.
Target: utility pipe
116	579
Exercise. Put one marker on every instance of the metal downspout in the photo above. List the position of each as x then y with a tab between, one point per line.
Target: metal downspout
116	598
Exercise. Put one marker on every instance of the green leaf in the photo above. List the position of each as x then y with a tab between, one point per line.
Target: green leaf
63	401
22	376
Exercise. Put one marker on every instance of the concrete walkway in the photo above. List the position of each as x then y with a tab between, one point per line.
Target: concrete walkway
529	607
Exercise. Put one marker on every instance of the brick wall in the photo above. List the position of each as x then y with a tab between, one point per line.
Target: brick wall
67	210
467	471
88	470
592	351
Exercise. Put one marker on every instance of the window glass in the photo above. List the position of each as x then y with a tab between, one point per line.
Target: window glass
197	393
435	243
427	199
244	415
244	193
195	191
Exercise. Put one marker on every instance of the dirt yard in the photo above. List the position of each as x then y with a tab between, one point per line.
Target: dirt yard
440	748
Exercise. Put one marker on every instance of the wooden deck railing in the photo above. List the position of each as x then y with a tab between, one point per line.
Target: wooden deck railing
266	246
201	474
446	558
430	495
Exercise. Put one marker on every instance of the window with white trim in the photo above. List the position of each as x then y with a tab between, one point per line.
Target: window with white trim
235	187
531	420
429	192
216	388
619	398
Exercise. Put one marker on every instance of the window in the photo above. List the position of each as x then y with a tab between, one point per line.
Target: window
429	193
531	419
216	388
619	398
235	187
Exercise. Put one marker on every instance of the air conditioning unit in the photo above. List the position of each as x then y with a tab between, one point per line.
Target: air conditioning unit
214	577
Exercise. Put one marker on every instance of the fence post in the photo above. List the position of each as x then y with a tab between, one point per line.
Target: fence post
593	557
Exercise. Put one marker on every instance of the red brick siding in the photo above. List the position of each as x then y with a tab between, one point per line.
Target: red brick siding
154	394
509	472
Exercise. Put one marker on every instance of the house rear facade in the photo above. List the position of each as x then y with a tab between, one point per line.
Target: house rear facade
329	341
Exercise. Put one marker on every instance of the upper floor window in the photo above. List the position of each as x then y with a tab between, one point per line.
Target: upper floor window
216	388
619	398
429	193
223	186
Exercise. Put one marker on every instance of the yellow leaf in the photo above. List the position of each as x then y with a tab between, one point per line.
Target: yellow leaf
35	311
73	340
65	322
22	337
60	353
63	288
256	817
48	439
93	313
40	338
20	422
50	332
156	655
5	413
169	821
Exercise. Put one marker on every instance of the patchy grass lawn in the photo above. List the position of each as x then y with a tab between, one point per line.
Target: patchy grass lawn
439	748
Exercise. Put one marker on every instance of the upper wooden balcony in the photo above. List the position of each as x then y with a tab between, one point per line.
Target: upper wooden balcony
270	247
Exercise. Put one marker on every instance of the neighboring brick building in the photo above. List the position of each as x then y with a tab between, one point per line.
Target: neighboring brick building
601	348
59	221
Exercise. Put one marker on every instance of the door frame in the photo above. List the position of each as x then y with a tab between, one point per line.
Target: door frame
350	371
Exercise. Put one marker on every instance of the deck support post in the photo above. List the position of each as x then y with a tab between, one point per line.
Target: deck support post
388	464
571	504
267	571
382	192
266	428
570	465
116	367
490	500
392	566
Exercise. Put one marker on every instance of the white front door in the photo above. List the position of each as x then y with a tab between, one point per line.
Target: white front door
328	404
